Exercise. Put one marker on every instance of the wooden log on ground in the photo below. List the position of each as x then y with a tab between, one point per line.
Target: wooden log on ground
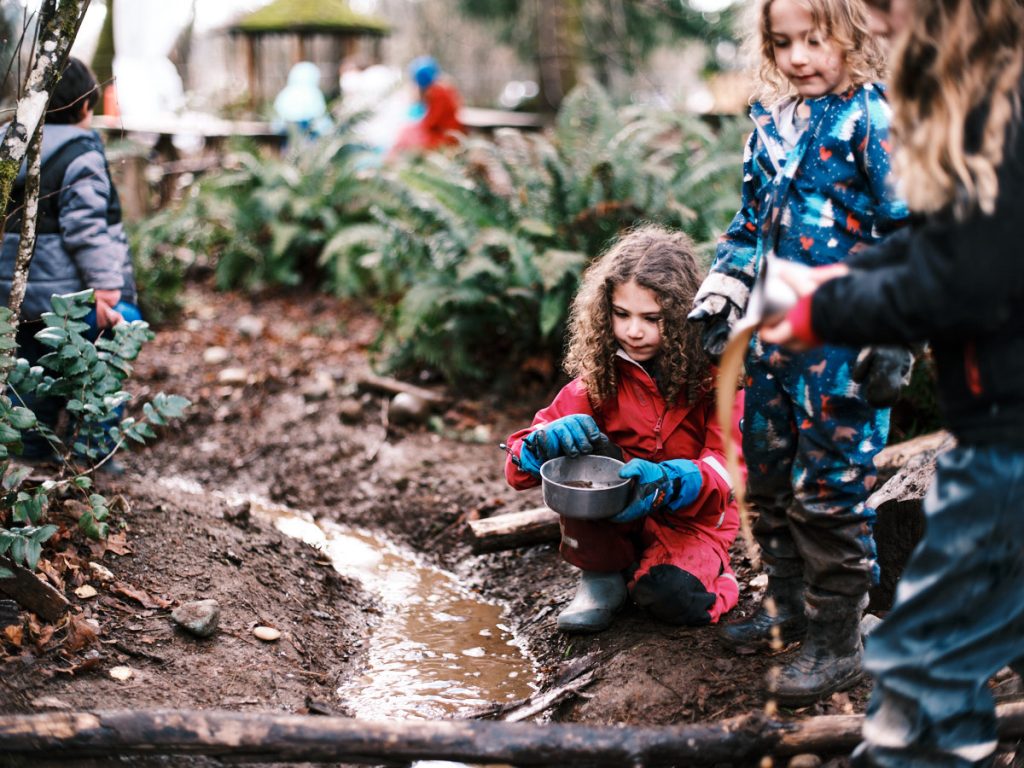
394	386
32	593
899	505
276	737
514	529
893	458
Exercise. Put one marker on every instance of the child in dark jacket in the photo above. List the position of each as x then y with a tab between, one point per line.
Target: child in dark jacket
954	278
816	187
80	240
642	385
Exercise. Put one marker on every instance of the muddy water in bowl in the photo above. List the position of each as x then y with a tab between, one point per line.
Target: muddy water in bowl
587	487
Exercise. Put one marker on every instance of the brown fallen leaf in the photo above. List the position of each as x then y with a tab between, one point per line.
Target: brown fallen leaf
80	634
115	542
52	572
14	634
140	596
40	633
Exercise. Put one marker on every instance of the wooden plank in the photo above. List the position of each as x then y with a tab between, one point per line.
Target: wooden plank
514	529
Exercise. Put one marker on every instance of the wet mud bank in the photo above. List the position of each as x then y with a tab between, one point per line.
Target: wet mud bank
281	421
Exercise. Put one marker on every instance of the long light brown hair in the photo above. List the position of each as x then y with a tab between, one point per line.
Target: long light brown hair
664	262
843	22
958	63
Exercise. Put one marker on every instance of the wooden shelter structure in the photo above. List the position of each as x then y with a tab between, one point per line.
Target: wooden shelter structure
284	32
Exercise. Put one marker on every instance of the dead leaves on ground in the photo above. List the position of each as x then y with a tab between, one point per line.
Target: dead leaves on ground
74	641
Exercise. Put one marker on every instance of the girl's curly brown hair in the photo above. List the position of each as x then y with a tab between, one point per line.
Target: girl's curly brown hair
664	262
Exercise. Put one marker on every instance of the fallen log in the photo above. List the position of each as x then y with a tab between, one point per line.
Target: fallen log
275	737
900	515
514	529
32	593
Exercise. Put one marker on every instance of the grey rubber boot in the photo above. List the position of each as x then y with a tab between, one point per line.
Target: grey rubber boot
788	615
830	657
598	597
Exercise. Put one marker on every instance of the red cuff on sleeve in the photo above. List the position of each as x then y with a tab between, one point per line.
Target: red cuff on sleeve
800	319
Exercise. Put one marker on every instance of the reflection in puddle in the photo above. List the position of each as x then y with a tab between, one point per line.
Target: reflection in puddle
439	650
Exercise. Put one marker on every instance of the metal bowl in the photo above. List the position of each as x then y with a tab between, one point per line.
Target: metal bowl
585	487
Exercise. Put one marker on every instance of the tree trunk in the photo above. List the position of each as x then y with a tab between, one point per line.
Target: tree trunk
27	239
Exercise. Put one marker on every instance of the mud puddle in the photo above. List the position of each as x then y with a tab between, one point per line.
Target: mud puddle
439	650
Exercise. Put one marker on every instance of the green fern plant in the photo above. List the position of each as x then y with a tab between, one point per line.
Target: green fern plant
480	252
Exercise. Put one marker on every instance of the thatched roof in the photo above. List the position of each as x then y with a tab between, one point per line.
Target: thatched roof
310	16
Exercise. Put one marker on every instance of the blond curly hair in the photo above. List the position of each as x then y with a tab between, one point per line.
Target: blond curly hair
843	22
955	92
665	263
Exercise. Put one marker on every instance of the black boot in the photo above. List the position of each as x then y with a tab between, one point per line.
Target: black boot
787	614
830	658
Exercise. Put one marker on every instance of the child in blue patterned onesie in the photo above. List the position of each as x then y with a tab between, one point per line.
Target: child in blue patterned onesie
816	187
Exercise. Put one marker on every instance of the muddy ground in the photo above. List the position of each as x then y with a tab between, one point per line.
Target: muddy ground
287	422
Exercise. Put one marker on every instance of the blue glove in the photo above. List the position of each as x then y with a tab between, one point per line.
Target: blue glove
568	436
672	484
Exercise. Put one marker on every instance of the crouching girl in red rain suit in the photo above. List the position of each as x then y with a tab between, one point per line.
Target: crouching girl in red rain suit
642	387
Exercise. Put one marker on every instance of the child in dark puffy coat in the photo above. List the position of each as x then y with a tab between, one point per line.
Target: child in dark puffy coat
643	386
80	240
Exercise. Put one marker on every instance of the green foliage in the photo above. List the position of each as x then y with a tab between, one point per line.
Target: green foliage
480	252
623	34
90	377
264	223
472	257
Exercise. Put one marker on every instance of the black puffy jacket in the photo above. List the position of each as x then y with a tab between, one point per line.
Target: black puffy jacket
959	285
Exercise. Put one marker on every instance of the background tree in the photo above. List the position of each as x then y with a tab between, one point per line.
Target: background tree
103	58
609	37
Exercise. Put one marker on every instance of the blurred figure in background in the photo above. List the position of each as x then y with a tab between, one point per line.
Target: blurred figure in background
437	122
301	105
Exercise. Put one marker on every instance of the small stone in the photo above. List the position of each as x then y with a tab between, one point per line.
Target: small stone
215	355
267	634
233	377
199	617
86	591
350	411
805	760
121	673
320	388
408	409
250	326
101	572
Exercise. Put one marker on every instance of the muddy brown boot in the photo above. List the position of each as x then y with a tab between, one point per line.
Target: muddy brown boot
598	597
830	657
787	615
